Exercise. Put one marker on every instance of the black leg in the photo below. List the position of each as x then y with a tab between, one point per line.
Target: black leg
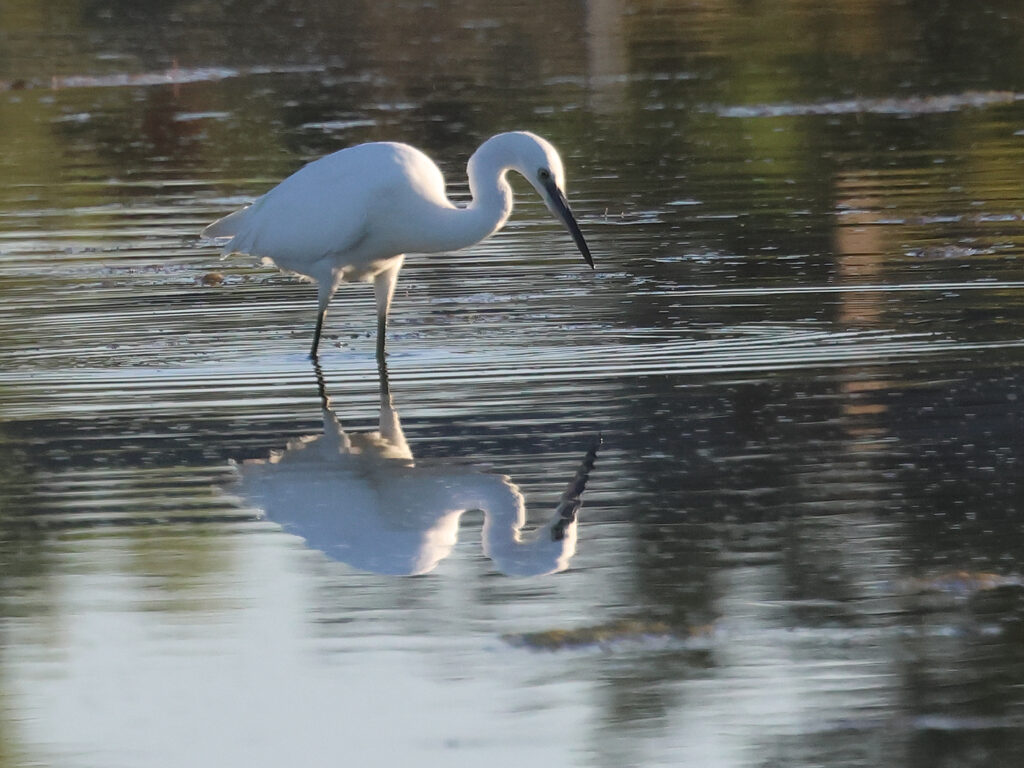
321	385
316	334
385	383
382	327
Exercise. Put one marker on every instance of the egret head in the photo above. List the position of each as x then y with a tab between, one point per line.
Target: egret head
537	160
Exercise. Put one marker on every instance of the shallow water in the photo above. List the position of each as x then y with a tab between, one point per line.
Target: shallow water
803	349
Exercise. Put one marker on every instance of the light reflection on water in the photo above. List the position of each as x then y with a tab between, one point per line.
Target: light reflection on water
401	517
802	346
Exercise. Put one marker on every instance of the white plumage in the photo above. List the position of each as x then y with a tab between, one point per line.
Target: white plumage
362	499
353	215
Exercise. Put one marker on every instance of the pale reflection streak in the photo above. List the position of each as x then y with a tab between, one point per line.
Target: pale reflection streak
607	56
860	247
361	499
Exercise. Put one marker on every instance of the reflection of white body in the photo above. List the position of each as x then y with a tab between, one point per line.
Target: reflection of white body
361	499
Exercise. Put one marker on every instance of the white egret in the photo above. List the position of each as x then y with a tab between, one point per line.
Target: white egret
362	499
353	215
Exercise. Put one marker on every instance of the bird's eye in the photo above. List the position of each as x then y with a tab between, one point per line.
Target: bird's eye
544	174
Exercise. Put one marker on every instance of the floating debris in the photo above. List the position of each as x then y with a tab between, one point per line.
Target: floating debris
172	76
619	631
960	583
909	105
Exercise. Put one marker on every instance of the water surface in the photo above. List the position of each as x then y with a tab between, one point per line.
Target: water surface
803	348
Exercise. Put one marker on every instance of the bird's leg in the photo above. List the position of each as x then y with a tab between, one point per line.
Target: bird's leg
324	298
390	425
384	289
382	328
385	383
316	335
321	386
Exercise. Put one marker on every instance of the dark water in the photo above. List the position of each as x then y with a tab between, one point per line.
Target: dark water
803	347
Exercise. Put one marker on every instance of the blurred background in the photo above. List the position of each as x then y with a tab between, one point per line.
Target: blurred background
803	346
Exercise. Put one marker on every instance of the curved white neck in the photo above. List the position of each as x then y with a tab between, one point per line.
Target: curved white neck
514	554
491	205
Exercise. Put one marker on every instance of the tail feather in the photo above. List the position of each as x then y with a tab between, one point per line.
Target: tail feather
229	226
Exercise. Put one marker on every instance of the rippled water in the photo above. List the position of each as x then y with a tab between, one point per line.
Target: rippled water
802	349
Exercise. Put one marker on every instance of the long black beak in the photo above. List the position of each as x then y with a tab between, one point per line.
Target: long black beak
560	207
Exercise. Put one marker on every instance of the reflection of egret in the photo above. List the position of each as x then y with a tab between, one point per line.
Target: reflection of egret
352	215
360	498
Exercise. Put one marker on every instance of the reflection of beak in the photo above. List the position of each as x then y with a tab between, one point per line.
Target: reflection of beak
560	207
569	506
